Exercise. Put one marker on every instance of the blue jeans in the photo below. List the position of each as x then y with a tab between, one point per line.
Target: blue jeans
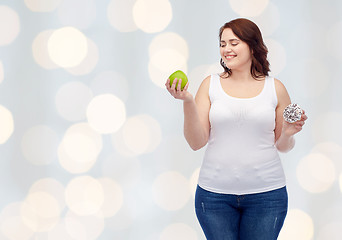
257	216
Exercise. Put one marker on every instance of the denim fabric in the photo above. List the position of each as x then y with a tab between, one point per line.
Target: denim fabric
257	216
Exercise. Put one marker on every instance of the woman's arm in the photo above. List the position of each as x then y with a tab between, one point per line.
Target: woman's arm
285	131
196	112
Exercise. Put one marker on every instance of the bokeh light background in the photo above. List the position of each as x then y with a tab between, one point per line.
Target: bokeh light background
91	143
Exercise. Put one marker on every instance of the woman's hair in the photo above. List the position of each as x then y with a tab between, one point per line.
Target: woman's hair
249	32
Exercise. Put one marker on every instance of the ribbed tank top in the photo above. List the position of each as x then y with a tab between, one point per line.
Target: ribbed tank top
241	157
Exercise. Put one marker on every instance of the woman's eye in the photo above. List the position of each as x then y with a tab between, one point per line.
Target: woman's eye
222	45
234	44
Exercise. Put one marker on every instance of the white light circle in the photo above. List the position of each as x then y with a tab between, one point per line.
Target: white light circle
165	59
141	134
79	156
248	8
7	124
74	151
332	150
152	16
113	197
89	62
40	211
42	6
52	187
179	231
74	165
298	225
77	13
9	25
163	63
276	56
40	50
80	147
120	15
11	223
88	227
171	191
169	40
59	232
85	129
106	113
72	100
74	228
84	195
316	173
67	47
39	145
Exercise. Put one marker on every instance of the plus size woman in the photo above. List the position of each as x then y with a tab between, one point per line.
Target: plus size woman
237	114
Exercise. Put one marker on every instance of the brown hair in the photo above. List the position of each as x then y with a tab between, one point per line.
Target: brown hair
249	32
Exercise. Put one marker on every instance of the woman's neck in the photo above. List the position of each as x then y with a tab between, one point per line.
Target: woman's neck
242	76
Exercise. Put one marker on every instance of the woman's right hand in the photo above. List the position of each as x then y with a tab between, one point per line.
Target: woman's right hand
176	91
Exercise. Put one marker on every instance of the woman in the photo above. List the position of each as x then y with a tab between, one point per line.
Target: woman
241	192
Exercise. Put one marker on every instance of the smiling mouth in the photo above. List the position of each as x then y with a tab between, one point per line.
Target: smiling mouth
230	56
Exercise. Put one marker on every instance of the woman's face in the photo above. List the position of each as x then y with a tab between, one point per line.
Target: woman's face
234	52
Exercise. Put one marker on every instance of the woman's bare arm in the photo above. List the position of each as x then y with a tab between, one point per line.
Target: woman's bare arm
196	112
285	131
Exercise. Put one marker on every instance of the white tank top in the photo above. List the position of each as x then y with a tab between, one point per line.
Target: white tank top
241	157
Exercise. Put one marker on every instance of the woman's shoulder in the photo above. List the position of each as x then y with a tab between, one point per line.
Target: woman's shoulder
279	86
212	77
281	90
204	86
206	80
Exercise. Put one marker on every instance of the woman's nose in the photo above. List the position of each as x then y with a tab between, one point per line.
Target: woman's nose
227	49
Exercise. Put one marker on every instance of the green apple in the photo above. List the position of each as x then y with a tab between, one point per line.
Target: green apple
179	75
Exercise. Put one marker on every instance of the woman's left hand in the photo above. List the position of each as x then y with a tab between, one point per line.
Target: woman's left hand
290	129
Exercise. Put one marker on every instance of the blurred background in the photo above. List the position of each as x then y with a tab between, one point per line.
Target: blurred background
91	143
